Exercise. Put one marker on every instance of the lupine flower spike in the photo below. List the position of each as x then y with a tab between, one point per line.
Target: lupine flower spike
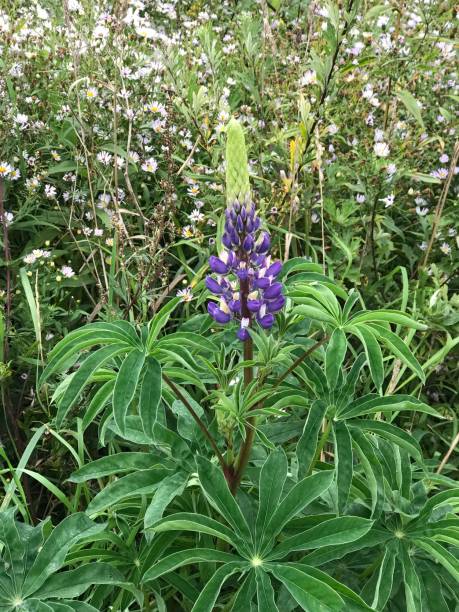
245	277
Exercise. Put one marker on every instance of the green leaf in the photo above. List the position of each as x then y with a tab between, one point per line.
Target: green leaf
138	483
413	596
336	531
115	464
98	402
383	587
312	594
399	349
388	316
169	488
389	403
302	494
265	592
330	553
216	490
73	583
188	521
52	555
411	105
159	321
242	601
334	356
392	433
150	395
343	463
440	554
126	385
307	444
272	479
186	557
372	352
353	601
372	469
314	313
209	594
82	376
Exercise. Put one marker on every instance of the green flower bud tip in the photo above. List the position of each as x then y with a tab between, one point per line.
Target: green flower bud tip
237	173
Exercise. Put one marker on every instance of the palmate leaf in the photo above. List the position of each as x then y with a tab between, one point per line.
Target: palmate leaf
52	555
98	402
440	554
385	316
372	352
209	594
334	356
265	592
159	321
413	596
242	601
371	404
372	469
169	488
125	386
189	521
392	433
272	478
311	593
398	348
302	494
186	557
150	395
307	444
73	583
83	375
217	492
138	483
343	463
115	464
336	531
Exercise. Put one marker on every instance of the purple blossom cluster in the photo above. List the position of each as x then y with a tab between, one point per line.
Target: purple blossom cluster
245	281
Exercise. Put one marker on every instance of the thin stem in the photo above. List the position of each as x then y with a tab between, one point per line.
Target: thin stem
201	425
301	358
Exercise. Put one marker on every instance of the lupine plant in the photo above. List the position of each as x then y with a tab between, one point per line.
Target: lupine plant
252	457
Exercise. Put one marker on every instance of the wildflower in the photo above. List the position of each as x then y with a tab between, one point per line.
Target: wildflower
308	78
50	192
423	246
196	216
150	165
187	231
381	149
388	200
452	231
245	277
104	157
5	168
21	120
443	159
441	173
185	294
445	248
91	93
55	155
360	198
391	170
332	129
193	191
67	272
422	211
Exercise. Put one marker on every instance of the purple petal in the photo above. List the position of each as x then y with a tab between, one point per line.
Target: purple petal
217	265
226	239
273	291
213	285
254	305
276	305
264	244
247	245
274	269
234	305
261	283
243	334
267	321
222	317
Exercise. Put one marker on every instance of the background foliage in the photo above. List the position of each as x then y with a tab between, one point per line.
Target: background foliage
124	406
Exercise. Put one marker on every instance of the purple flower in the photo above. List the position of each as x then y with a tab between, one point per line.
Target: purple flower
246	283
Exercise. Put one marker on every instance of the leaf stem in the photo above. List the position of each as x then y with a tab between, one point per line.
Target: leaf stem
200	423
301	358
